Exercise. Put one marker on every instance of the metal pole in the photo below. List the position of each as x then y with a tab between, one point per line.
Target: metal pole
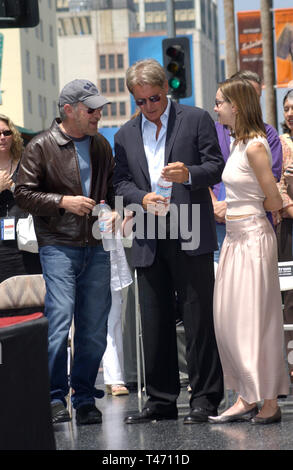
171	29
268	61
141	16
230	43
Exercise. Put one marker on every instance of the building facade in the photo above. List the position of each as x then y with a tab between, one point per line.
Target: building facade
94	37
198	18
30	77
93	44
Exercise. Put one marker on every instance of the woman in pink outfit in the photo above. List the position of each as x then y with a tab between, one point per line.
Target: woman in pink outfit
247	299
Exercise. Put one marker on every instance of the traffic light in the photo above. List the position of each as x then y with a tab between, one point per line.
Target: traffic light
176	57
19	13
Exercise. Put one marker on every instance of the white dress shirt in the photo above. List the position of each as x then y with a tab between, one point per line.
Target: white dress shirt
155	147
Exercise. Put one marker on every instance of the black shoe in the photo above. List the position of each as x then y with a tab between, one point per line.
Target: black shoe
59	413
88	414
198	415
147	415
236	417
132	386
276	418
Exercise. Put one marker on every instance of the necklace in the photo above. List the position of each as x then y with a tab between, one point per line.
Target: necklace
5	168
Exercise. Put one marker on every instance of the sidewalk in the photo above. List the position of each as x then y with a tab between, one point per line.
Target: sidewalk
114	435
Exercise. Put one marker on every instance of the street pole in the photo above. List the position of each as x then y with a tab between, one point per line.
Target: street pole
171	29
141	16
230	42
268	61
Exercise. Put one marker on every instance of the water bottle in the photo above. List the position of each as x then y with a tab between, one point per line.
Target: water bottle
164	188
108	237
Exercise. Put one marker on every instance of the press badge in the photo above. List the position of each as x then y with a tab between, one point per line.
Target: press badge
7	228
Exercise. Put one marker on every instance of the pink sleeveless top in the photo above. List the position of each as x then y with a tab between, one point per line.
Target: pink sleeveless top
243	192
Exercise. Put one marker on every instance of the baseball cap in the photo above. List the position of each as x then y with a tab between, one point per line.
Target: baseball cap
84	91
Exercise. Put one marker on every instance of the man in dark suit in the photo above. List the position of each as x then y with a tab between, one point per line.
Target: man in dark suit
180	143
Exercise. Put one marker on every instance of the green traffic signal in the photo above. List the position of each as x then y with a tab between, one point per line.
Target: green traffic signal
176	58
175	83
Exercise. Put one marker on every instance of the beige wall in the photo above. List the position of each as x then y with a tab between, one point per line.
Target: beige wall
77	58
23	49
11	79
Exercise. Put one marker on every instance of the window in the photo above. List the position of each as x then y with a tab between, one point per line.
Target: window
102	61
40	106
44	107
28	61
103	85
113	109
41	30
111	61
122	108
112	83
105	110
29	101
51	36
121	85
43	69
53	74
39	67
120	61
54	109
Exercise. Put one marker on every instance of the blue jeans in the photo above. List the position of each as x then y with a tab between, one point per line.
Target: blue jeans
77	286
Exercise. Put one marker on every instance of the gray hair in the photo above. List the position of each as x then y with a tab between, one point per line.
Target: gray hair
62	113
247	75
145	72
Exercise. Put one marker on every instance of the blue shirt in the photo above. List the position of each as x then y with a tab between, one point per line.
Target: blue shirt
82	147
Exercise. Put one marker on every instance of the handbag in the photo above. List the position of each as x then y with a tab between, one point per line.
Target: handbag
26	235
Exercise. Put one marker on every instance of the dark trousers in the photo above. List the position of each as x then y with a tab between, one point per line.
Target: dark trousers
285	239
188	280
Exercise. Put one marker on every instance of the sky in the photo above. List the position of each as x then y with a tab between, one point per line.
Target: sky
245	5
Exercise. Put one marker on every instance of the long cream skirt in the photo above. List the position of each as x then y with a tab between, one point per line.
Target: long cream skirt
248	311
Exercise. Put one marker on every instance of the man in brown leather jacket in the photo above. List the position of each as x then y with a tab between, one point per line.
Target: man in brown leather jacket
65	171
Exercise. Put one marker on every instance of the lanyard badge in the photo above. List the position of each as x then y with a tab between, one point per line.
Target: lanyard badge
7	228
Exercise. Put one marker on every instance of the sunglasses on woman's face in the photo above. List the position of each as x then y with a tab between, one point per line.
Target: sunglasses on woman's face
6	133
152	99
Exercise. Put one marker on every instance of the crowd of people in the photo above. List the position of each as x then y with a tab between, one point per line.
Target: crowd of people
238	173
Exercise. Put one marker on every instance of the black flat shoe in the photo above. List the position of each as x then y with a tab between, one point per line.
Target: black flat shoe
88	414
59	413
147	415
244	416
198	415
275	418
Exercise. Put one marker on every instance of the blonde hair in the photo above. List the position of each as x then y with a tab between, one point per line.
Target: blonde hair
248	119
17	141
145	72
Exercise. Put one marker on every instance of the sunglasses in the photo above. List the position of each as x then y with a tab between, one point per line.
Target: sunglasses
218	103
92	110
6	133
152	99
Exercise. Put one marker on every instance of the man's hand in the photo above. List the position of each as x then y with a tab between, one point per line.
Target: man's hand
115	222
176	172
79	205
220	208
5	181
153	203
